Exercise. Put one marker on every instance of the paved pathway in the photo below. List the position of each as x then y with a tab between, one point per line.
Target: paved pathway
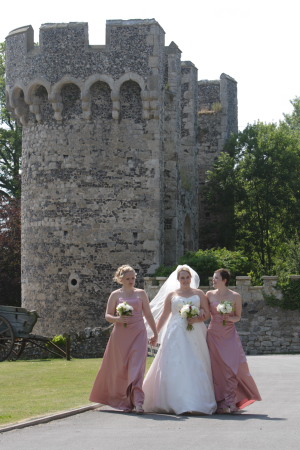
273	424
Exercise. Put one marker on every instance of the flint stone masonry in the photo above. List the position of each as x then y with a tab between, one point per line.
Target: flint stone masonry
116	142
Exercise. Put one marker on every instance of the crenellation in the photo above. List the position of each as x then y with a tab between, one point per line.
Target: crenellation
115	149
64	38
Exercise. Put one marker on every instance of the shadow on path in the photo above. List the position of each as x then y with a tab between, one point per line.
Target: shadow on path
169	417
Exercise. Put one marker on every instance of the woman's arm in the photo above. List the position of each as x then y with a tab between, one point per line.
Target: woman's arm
149	317
111	310
204	309
166	312
237	309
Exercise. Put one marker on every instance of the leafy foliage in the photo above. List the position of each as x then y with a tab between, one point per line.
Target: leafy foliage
258	178
10	142
287	259
206	262
10	192
293	120
10	252
290	296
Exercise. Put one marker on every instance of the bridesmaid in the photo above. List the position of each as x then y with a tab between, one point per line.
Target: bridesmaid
119	381
234	386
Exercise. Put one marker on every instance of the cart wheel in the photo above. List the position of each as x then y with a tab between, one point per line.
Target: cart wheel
6	338
17	350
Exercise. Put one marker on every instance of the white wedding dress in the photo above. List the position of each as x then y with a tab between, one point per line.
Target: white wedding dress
180	378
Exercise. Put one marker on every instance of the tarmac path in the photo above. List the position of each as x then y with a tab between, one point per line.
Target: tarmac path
272	424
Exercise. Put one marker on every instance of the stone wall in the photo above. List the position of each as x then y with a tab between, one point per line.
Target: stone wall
263	329
217	116
114	156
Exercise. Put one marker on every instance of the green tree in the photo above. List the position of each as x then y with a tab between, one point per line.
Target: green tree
264	162
10	192
10	142
293	120
220	193
10	251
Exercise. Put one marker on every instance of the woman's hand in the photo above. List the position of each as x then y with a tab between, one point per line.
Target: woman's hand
153	340
121	319
195	319
226	317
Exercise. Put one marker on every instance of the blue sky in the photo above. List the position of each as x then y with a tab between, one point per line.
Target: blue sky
256	42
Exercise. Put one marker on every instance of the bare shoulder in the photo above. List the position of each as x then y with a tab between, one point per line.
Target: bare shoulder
171	295
235	295
140	291
212	292
199	292
114	296
115	293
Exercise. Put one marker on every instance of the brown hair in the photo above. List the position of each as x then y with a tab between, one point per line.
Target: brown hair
183	269
225	275
120	272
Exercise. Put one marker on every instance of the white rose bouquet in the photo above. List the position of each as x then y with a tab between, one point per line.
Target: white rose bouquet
123	309
225	307
187	312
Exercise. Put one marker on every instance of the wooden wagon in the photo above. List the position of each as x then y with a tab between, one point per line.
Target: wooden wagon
16	325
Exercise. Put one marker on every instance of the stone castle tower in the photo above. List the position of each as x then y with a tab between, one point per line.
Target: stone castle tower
116	142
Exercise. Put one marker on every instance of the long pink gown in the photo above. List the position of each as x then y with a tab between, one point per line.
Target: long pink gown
233	382
120	378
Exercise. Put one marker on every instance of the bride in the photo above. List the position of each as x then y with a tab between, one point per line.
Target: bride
180	380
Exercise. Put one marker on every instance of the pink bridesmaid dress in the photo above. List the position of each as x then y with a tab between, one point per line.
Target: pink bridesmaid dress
233	383
120	378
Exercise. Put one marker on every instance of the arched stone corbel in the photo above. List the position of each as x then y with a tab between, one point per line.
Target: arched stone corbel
34	101
115	97
146	104
86	106
21	110
36	110
57	108
56	98
21	114
57	105
18	104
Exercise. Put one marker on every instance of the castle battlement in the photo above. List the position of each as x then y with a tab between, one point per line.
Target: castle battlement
64	56
116	142
131	45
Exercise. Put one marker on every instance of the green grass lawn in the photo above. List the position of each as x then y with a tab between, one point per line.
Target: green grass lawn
39	387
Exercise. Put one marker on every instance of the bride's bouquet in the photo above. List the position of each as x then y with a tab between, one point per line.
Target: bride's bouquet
225	308
123	309
187	312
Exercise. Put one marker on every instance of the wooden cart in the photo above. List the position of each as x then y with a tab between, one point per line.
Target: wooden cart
16	325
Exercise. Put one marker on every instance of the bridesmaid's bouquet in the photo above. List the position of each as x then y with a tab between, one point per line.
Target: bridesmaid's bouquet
123	309
225	308
187	312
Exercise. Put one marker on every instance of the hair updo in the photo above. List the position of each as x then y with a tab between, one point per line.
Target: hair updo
183	269
120	272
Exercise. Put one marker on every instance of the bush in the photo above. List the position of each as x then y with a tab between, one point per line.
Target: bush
206	262
290	296
287	260
60	341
